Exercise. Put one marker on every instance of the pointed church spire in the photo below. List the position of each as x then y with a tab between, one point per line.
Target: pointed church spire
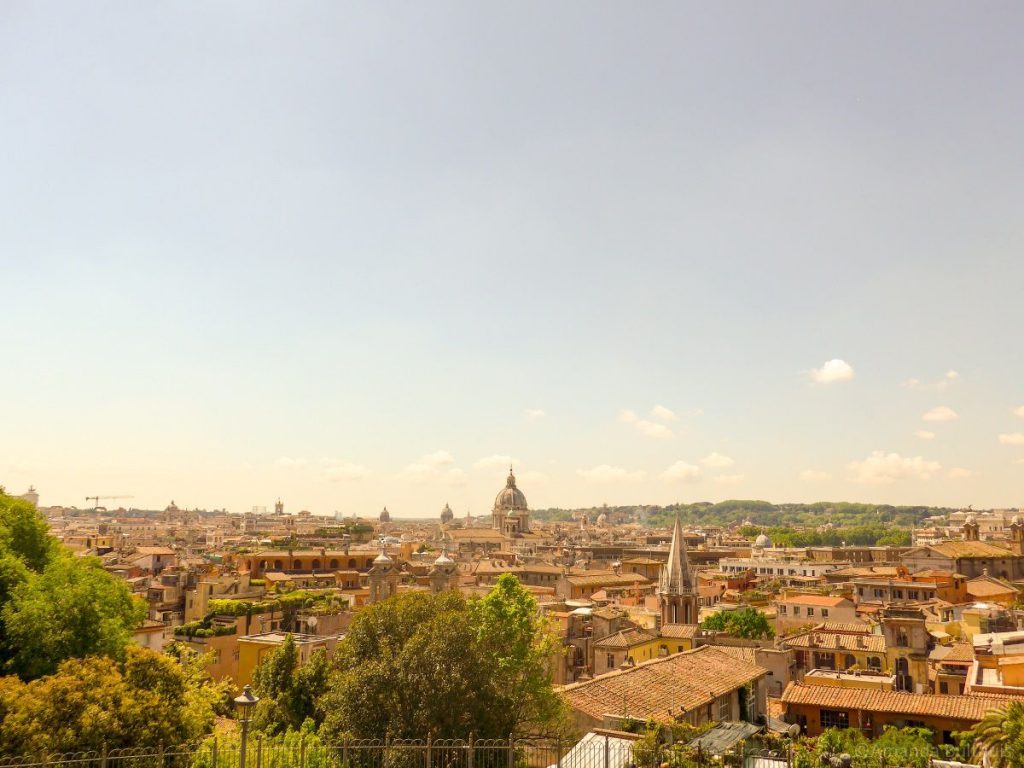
676	577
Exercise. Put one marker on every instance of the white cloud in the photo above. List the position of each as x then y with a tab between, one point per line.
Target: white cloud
933	386
436	467
729	479
959	473
1012	438
649	428
288	462
883	468
1019	411
663	413
924	434
815	476
338	471
681	472
605	473
497	460
717	461
535	414
832	371
941	413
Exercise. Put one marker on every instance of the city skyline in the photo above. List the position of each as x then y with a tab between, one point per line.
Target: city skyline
360	257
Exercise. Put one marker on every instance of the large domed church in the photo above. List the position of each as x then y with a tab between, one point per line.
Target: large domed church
511	515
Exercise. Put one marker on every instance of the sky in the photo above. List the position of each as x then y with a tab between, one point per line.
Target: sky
364	254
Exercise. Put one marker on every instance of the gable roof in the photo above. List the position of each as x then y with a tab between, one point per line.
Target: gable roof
971	708
680	683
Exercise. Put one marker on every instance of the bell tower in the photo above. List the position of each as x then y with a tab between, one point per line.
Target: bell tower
677	593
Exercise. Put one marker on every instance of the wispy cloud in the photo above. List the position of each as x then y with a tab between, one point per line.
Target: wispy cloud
959	473
832	371
1019	411
663	413
497	460
606	473
882	468
717	461
334	470
940	385
681	471
941	413
1012	438
924	434
437	467
729	479
649	428
535	414
815	476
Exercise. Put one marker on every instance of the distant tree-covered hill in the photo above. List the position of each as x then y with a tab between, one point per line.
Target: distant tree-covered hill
762	515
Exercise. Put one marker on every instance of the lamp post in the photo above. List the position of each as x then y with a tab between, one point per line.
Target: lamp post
245	703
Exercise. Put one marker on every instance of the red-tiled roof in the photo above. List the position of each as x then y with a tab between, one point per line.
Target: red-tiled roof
681	682
971	708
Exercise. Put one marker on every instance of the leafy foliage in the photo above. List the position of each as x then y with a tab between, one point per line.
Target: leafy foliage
419	663
999	736
148	700
289	691
748	623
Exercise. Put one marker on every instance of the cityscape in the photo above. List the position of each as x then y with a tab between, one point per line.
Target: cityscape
511	385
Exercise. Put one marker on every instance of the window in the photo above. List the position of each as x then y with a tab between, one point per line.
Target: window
878	593
849	661
912	594
834	718
796	610
824	613
810	612
874	663
610	661
782	610
943	687
725	707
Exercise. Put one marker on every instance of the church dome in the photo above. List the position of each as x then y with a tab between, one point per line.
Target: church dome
385	516
971	520
443	559
510	499
447	515
762	541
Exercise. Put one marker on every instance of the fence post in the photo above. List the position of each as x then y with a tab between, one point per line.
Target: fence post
430	740
558	751
259	751
302	751
213	753
511	751
344	752
103	755
606	749
469	754
160	755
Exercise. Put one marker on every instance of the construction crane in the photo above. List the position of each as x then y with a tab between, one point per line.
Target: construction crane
96	499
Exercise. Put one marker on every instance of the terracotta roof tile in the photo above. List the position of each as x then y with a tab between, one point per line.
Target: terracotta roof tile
971	708
681	682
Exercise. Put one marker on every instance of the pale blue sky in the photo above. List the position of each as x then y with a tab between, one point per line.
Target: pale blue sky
335	252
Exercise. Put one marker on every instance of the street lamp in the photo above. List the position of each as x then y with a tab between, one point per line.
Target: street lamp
245	702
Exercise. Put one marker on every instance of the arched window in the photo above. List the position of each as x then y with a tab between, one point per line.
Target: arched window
316	564
334	563
875	663
297	565
849	661
277	565
263	563
352	563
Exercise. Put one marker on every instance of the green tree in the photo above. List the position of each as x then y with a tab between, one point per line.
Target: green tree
23	533
146	701
748	623
419	663
288	689
999	736
72	609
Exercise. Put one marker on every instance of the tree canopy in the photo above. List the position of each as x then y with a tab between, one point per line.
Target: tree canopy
439	664
747	623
